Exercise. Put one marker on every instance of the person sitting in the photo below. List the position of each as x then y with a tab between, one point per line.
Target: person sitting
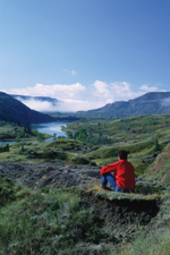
120	175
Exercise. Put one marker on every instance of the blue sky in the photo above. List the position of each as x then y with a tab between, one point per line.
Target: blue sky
85	53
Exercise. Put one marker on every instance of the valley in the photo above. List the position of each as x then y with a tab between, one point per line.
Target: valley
55	189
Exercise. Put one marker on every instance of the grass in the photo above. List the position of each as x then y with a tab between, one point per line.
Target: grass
57	221
51	221
26	152
12	132
135	134
158	244
46	222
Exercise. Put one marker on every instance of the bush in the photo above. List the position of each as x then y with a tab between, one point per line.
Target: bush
10	191
50	154
157	146
4	148
81	161
7	193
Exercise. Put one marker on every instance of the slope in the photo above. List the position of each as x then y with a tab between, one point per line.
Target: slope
14	111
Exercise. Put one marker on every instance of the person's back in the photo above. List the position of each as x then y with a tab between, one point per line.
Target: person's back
123	174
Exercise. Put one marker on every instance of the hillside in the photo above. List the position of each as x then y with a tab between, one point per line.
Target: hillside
59	208
52	202
160	169
15	111
150	103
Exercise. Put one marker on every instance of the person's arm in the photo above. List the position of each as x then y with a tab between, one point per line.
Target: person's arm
109	168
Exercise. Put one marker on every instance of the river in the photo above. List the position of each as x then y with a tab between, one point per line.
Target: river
50	128
47	128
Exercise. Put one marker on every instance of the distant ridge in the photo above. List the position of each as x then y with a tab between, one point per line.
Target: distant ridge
13	110
150	103
53	101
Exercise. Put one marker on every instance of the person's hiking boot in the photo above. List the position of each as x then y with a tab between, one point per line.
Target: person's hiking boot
106	188
112	189
103	186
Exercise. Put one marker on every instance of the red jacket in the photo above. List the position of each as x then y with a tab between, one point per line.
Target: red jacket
124	173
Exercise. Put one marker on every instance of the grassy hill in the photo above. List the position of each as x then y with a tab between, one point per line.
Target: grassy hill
150	103
51	201
61	209
142	136
11	110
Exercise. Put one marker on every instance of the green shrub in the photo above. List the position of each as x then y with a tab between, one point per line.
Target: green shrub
7	191
50	154
80	160
157	146
10	191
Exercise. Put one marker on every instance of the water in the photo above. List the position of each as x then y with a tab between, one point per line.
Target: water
48	128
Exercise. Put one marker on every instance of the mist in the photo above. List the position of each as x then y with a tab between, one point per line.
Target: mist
64	106
165	102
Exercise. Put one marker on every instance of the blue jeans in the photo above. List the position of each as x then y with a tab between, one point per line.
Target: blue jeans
112	181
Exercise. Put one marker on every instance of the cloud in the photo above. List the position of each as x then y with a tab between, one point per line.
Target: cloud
39	105
148	89
101	89
77	105
72	72
166	102
77	97
114	91
56	91
64	106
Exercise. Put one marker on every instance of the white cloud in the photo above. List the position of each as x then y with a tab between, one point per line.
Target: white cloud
101	89
38	105
76	97
64	106
78	105
114	91
148	89
56	91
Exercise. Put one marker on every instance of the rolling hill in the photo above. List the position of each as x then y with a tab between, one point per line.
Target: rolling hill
13	110
150	103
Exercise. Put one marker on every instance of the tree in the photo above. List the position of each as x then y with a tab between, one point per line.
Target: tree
69	134
81	134
54	136
17	140
40	137
157	146
27	128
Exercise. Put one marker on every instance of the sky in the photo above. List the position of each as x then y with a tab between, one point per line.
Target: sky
85	53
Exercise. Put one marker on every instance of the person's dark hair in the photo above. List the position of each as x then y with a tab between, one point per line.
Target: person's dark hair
122	154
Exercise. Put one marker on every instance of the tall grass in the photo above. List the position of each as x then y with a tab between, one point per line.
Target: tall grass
46	222
156	244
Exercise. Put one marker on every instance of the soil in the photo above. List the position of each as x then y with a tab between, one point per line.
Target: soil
123	219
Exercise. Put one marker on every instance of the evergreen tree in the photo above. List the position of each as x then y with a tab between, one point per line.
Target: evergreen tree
54	136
